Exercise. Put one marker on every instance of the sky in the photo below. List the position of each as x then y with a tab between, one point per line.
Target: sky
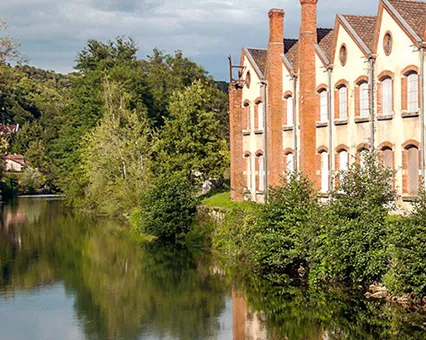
51	32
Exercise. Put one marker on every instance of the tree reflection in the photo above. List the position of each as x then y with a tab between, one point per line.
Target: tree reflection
292	311
121	289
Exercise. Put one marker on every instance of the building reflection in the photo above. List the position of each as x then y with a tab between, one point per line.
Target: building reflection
247	324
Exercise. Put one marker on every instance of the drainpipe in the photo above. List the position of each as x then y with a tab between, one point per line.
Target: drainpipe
265	136
371	60
330	130
422	111
295	124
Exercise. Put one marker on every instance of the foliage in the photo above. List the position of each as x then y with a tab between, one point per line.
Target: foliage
190	140
115	156
168	206
9	47
352	244
407	272
32	179
285	227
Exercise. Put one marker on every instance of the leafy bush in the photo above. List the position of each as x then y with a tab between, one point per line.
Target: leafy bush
285	226
408	252
32	179
168	206
352	245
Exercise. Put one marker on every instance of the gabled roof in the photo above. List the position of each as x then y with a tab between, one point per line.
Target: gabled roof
290	50
364	27
413	12
325	41
257	58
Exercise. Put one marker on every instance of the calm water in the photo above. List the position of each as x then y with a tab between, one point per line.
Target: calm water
64	276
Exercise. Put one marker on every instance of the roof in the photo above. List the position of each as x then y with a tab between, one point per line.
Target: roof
16	158
364	26
259	57
413	12
325	41
8	129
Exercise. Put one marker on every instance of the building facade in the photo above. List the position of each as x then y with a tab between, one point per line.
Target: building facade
316	103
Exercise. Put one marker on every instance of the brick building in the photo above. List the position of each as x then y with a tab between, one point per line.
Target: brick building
316	103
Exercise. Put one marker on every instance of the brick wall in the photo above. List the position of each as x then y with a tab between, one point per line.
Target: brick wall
236	141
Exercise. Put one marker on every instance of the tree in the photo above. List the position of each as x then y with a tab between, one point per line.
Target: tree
9	48
191	139
115	156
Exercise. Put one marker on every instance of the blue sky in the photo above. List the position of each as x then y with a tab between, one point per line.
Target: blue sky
51	32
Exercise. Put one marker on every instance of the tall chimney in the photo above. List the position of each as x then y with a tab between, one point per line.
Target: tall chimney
307	82
275	157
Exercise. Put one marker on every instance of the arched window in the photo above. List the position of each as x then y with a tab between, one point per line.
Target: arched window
387	96
260	116
413	92
324	172
364	104
413	170
362	155
260	175
387	157
323	106
343	102
290	162
289	101
343	160
246	117
248	170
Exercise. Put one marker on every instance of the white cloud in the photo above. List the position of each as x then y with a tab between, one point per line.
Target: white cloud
52	31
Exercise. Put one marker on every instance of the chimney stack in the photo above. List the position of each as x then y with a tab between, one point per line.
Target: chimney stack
307	81
274	77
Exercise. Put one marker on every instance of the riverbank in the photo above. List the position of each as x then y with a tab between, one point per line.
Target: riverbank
351	240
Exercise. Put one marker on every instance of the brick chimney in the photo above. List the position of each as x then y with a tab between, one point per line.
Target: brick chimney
275	157
236	141
307	82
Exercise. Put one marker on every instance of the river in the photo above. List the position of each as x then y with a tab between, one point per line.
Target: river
67	276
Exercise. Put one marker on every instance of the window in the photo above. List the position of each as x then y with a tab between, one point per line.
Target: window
289	101
247	117
323	106
364	100
387	43
387	158
260	120
248	170
248	79
290	162
261	173
343	164
413	170
324	172
387	96
343	103
362	155
413	92
343	55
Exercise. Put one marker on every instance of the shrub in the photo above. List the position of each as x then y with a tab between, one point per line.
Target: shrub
32	179
285	227
168	206
408	252
352	245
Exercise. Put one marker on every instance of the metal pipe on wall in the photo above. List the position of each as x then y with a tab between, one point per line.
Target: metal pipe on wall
330	131
295	125
371	60
422	111
265	137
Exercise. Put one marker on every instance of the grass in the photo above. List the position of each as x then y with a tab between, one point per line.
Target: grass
223	200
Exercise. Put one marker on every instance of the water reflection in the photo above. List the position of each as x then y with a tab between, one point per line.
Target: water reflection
66	276
119	289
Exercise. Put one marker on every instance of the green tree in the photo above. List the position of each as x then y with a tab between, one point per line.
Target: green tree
191	138
116	155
